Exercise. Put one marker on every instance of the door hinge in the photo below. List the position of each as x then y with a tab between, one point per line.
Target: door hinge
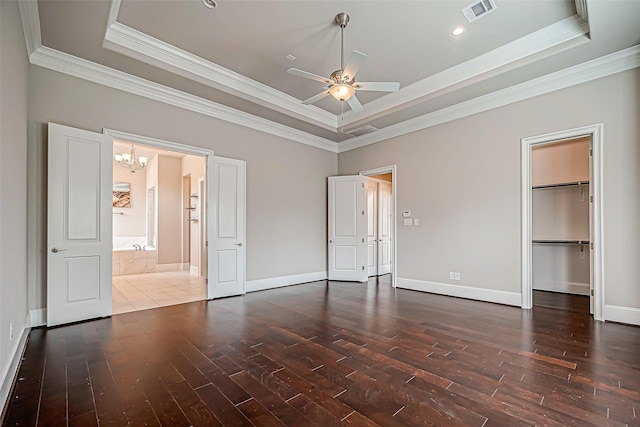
591	292
591	245
362	212
363	185
206	243
591	199
206	281
362	240
591	151
363	267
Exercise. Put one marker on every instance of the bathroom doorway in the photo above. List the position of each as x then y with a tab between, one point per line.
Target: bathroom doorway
157	229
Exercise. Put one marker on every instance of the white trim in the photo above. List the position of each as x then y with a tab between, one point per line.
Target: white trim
617	62
596	132
468	292
562	287
143	47
90	71
278	282
11	369
193	270
30	17
164	268
394	231
158	143
525	50
616	313
38	317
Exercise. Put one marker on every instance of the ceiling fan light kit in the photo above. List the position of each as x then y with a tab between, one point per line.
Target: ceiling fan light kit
342	84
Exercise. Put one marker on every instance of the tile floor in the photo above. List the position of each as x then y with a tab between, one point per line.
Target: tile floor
142	291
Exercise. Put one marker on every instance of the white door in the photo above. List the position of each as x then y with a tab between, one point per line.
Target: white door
372	227
347	228
227	252
79	222
384	228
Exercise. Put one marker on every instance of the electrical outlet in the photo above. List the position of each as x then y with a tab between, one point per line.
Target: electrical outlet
11	330
451	275
457	276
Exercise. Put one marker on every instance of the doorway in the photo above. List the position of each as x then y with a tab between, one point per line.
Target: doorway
156	236
381	200
561	220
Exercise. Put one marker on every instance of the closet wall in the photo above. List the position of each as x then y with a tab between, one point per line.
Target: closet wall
560	209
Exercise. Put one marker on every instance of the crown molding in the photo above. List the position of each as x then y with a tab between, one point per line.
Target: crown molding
143	47
616	62
30	17
522	51
87	70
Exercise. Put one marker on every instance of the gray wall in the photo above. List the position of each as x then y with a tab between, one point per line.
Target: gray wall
462	180
286	181
13	176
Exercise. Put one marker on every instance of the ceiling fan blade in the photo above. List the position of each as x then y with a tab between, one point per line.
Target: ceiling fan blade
378	86
354	63
315	98
354	104
308	75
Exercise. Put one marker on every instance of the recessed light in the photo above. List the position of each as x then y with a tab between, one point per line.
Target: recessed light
457	31
210	3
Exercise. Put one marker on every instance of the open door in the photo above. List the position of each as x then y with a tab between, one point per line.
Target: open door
347	228
227	251
372	227
79	223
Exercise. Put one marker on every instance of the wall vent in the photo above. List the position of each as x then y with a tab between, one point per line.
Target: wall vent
362	130
478	9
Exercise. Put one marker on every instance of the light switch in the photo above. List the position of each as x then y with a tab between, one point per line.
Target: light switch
416	222
408	221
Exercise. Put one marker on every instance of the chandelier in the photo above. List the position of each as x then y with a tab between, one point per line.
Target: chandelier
131	161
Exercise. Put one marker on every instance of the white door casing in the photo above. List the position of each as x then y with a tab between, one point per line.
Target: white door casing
347	229
79	224
372	227
227	251
384	228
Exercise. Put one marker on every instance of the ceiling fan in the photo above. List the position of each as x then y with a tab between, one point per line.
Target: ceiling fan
342	83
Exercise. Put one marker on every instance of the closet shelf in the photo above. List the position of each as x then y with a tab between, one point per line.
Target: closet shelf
561	242
563	184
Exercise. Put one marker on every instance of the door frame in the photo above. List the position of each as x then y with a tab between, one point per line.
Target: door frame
596	132
187	149
394	239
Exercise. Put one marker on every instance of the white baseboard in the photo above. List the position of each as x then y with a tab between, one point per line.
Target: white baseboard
9	371
38	317
277	282
480	294
564	287
163	268
617	313
194	271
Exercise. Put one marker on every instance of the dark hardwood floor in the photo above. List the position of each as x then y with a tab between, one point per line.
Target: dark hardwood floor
560	301
330	353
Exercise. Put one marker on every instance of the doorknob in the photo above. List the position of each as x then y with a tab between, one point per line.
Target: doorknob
238	244
330	241
56	250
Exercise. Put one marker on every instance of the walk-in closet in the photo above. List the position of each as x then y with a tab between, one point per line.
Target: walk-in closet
561	258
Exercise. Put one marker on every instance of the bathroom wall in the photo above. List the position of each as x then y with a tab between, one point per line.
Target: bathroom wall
169	212
131	222
194	166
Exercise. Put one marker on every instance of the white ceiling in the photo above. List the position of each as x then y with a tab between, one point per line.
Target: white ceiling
235	55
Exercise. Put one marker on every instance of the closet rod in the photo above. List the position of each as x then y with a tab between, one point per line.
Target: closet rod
565	184
562	242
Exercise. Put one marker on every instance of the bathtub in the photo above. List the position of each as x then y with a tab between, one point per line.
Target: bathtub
129	260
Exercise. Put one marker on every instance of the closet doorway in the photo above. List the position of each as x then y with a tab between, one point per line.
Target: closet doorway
381	231
562	257
561	218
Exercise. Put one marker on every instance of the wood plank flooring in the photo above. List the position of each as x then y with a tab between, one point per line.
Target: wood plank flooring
331	353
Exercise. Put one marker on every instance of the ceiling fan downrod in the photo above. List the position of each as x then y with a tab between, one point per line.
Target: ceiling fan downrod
342	19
